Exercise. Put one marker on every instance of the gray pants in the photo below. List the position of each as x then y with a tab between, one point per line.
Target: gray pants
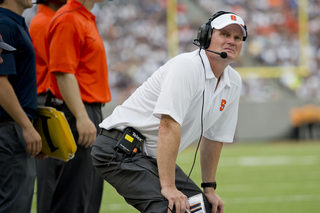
137	178
73	186
17	170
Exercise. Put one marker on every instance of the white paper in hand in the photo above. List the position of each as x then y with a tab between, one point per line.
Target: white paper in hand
196	204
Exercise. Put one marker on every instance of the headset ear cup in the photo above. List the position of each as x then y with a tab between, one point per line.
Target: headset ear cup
245	37
204	32
208	39
202	35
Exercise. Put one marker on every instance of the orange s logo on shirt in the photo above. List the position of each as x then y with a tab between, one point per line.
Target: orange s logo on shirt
223	104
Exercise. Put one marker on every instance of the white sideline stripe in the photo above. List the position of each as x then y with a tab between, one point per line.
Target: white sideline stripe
274	199
239	200
309	184
268	160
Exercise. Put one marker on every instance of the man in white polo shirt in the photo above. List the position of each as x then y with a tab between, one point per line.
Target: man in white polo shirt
194	95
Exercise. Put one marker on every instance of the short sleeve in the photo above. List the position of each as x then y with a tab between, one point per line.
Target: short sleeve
65	44
8	67
179	84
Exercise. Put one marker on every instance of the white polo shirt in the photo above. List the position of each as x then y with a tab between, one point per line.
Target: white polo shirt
176	89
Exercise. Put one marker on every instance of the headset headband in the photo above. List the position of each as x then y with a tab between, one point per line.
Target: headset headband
205	31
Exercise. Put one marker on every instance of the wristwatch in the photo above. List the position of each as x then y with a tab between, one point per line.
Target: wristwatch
209	184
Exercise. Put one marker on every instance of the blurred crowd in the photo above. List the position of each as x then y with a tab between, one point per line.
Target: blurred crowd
135	35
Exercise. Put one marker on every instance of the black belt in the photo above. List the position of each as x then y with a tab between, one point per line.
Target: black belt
42	94
112	133
95	104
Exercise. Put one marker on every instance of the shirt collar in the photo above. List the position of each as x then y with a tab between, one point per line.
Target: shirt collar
207	67
17	18
75	5
46	10
225	75
209	73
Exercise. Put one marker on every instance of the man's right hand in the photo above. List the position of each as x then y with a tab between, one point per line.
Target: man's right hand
87	132
70	92
176	199
11	104
32	139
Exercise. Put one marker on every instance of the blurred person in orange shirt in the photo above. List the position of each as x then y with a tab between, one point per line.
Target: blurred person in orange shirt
79	81
317	117
296	120
38	29
303	121
309	117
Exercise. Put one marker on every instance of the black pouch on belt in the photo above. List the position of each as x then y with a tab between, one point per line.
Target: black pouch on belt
130	139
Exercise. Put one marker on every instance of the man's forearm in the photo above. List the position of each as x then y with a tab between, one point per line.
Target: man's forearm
10	103
69	89
209	158
167	150
70	92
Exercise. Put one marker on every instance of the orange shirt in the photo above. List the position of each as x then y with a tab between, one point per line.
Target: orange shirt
317	114
309	113
296	116
76	47
38	28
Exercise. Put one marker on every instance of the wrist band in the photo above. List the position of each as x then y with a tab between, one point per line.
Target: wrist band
209	184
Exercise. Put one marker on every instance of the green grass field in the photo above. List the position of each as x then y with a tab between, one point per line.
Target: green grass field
277	177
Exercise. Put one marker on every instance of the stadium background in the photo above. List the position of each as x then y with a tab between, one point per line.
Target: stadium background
279	64
280	67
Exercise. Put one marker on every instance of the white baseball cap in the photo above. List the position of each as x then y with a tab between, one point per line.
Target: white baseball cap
227	19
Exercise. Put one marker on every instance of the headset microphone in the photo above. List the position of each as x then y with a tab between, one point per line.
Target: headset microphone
222	54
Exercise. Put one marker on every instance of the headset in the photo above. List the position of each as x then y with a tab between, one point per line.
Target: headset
205	31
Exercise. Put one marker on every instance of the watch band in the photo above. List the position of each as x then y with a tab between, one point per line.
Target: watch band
209	184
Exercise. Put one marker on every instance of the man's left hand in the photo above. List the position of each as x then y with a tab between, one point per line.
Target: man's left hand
215	200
